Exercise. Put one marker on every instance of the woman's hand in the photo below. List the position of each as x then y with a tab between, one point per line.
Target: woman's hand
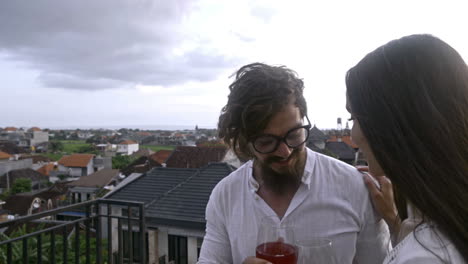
254	260
383	199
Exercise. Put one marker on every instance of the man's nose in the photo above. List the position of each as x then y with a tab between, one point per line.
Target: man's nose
283	150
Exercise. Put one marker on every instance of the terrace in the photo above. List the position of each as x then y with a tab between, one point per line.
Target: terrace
90	232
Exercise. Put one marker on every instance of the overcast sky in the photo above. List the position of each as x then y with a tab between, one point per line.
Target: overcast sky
167	62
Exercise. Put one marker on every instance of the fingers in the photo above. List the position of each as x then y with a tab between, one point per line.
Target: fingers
371	186
254	260
385	184
362	168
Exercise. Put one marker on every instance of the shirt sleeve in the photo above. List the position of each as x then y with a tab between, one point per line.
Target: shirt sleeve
216	247
373	242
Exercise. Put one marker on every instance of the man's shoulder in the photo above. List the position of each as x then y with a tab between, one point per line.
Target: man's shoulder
331	165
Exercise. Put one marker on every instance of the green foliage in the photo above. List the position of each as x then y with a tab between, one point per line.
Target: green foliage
21	185
157	148
55	146
17	247
120	162
52	156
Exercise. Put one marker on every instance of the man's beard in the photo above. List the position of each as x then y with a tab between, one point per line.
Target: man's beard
290	177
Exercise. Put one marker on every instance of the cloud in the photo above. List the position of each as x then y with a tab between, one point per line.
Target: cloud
105	44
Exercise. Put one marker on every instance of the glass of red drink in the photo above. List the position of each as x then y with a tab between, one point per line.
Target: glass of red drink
275	242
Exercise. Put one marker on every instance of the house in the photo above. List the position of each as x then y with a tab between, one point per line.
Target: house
38	181
345	138
34	202
47	168
317	139
127	147
7	166
175	201
342	151
31	139
88	187
76	165
5	156
197	157
161	156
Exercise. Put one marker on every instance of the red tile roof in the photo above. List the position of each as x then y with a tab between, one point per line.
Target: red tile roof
4	155
46	169
127	142
76	160
10	129
195	157
35	129
345	139
161	156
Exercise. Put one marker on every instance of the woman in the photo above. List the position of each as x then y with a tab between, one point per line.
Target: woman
409	103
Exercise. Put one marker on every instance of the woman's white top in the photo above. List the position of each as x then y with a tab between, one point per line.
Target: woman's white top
425	245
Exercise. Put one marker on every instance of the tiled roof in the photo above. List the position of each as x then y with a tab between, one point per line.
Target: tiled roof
10	129
4	155
185	205
35	129
161	156
127	142
175	196
345	139
46	169
143	152
76	160
195	157
35	158
341	149
153	184
316	134
98	179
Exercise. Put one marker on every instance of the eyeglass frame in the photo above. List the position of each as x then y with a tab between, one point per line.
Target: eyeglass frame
282	139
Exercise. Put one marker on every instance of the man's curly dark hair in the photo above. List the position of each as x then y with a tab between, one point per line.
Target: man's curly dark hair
258	92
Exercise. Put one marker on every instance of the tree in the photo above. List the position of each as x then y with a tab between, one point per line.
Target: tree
120	162
21	185
56	146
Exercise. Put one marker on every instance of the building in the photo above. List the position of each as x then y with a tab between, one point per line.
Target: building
88	187
76	165
175	201
127	147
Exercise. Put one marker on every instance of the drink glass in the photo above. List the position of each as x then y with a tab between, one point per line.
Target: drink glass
275	242
315	251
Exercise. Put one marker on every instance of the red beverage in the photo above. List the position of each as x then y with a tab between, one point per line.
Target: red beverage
277	252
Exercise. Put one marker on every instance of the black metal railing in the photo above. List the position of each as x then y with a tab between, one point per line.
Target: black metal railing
102	234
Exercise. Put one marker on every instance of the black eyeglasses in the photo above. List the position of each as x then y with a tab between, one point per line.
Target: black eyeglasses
295	137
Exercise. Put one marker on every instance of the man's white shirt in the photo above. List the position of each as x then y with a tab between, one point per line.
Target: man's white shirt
332	201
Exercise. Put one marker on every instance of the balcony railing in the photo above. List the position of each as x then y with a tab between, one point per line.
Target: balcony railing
89	232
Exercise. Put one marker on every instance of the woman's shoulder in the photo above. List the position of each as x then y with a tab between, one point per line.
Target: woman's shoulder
426	244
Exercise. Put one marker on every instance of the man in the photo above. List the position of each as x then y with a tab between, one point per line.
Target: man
265	120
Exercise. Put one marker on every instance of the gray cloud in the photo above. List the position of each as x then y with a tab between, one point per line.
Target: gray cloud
104	44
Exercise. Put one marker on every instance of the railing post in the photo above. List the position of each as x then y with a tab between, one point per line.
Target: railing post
98	234
88	222
130	236
39	249
77	243
109	234
52	246
25	251
143	246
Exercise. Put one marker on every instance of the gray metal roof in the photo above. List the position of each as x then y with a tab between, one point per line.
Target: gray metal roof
174	196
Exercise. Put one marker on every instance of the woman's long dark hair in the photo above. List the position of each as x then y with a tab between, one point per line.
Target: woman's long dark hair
410	98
